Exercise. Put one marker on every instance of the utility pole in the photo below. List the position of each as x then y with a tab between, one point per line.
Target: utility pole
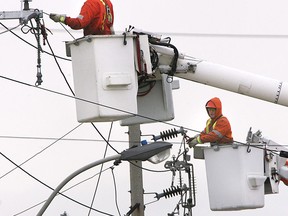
136	177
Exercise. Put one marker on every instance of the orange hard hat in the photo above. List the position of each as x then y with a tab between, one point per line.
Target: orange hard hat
210	104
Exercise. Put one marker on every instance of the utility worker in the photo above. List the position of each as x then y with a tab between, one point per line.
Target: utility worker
96	18
217	130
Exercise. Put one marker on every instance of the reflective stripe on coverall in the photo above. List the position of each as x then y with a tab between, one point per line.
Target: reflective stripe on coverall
218	129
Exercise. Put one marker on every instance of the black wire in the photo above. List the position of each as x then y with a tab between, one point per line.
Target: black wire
74	94
66	59
175	57
95	103
64	139
9	29
115	188
69	86
98	181
77	184
87	101
24	162
41	182
82	99
62	94
75	97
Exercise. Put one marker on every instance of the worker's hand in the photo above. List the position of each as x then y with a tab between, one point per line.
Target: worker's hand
192	142
58	17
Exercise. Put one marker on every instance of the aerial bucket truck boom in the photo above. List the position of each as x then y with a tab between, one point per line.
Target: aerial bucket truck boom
223	77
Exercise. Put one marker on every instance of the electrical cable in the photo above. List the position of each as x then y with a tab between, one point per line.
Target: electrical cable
71	187
67	31
9	29
65	80
62	94
62	26
33	156
59	93
71	90
41	182
84	139
172	70
63	139
115	189
59	57
56	61
74	95
88	101
102	165
229	35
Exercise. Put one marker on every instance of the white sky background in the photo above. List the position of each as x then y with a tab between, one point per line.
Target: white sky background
28	112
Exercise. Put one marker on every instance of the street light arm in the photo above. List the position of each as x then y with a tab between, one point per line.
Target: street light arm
70	177
138	153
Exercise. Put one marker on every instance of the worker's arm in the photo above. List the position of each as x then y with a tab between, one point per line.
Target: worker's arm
220	133
87	13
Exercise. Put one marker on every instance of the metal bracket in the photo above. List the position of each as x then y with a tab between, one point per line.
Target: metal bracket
133	209
24	16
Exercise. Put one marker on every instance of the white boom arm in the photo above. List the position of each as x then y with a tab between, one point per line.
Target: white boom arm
224	77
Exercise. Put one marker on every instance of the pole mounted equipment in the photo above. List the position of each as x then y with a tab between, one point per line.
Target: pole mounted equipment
25	15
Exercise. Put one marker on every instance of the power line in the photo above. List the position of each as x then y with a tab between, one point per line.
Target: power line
187	34
73	186
30	44
102	165
9	29
228	35
115	189
41	182
67	139
54	138
95	103
88	101
39	152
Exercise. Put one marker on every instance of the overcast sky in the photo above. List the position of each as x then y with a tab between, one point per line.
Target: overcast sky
248	35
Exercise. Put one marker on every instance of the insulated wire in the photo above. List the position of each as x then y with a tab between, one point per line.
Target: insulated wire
66	59
69	88
62	26
88	101
73	94
41	182
97	184
60	69
71	91
9	29
116	194
30	158
66	139
77	184
67	31
62	94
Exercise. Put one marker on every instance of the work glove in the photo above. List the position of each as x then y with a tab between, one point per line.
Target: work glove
192	142
58	17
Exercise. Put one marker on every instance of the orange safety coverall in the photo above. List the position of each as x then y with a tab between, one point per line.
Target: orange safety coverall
96	18
218	129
